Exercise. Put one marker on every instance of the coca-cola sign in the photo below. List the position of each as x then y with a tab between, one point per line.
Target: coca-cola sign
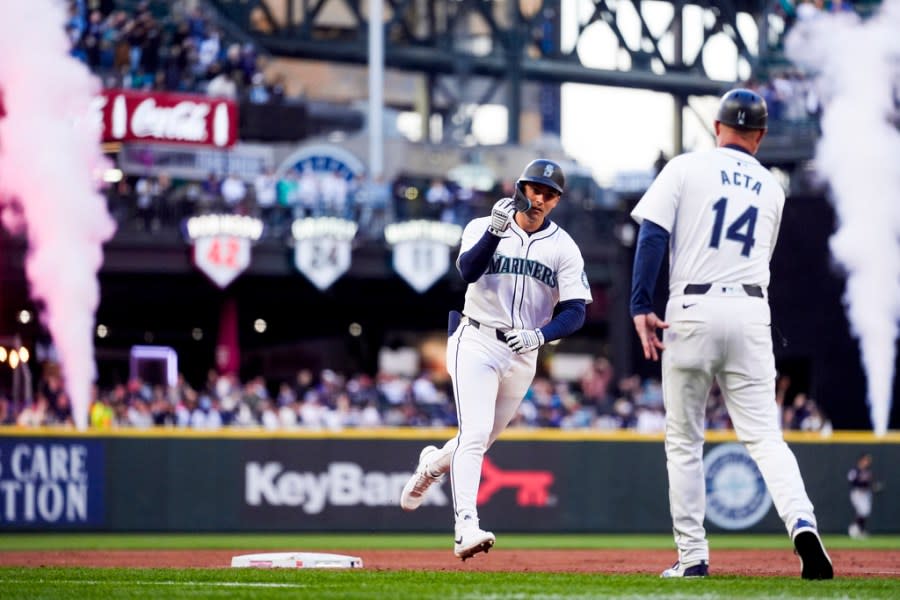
130	115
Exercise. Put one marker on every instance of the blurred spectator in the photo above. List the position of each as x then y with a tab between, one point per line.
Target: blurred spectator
801	411
308	195
258	92
334	191
286	195
147	191
438	198
93	41
312	411
268	416
35	413
76	18
162	411
234	191
211	191
463	209
209	48
265	191
222	83
595	384
369	416
206	414
278	88
60	411
101	414
7	415
140	415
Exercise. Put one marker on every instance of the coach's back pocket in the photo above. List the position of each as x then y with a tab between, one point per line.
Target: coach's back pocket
690	344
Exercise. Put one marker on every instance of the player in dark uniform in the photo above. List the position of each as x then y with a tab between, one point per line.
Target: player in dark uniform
862	488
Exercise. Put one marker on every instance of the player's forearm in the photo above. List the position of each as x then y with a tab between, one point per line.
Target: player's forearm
474	262
567	321
648	257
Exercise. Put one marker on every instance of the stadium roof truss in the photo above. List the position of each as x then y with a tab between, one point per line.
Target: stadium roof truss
653	45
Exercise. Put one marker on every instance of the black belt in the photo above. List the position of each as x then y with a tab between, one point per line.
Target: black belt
497	332
702	288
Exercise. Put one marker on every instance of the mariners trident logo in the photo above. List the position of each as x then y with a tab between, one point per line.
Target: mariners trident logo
548	171
736	494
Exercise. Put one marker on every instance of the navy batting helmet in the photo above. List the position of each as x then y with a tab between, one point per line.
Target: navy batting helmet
743	109
545	172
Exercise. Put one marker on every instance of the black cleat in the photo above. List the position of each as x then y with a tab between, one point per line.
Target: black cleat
814	560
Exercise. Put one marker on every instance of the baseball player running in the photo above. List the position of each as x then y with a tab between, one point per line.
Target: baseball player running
519	265
719	211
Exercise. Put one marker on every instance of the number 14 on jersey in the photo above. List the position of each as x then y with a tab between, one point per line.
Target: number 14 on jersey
740	230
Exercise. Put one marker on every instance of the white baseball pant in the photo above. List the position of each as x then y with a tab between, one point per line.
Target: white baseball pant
489	383
728	337
862	502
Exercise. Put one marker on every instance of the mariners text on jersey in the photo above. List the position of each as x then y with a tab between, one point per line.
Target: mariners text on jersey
521	266
742	180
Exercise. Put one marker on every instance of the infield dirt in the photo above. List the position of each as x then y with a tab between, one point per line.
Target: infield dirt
847	563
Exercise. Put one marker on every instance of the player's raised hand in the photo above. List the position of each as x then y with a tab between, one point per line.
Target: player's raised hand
501	215
646	326
521	341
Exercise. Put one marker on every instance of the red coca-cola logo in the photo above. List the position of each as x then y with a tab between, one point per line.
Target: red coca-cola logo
162	117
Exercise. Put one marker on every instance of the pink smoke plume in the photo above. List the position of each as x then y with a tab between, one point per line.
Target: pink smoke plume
51	164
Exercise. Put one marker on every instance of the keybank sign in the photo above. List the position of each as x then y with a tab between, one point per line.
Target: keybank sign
340	484
50	483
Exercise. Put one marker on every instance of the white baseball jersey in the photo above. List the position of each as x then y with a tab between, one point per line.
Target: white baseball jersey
526	278
723	210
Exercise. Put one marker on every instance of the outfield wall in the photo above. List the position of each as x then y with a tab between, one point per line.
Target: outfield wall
549	481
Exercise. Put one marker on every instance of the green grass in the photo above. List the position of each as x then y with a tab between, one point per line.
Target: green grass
176	584
411	541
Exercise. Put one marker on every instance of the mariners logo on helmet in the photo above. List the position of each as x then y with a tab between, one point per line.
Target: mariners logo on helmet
743	109
545	172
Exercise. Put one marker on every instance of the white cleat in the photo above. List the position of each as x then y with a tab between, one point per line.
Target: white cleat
414	491
472	540
856	532
698	568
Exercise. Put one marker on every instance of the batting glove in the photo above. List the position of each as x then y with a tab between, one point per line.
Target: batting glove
521	341
501	215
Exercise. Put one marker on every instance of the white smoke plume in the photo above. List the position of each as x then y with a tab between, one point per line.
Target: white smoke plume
50	164
857	62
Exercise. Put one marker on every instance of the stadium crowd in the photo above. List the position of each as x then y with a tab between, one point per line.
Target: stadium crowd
792	94
180	49
151	203
330	400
